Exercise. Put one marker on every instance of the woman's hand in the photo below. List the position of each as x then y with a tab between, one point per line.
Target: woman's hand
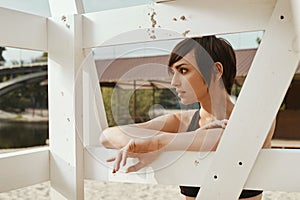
215	124
145	150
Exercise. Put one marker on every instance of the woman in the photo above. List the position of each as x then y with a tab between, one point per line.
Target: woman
203	71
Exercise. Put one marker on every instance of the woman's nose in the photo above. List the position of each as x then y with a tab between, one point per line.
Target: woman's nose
175	80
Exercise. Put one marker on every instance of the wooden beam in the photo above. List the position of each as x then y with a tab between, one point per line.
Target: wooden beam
23	168
162	1
174	19
65	118
270	171
66	7
295	7
263	91
23	30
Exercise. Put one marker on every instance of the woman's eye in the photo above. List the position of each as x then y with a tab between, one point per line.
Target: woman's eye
183	70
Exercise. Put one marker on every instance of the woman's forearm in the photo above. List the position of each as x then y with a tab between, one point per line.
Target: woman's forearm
199	140
119	136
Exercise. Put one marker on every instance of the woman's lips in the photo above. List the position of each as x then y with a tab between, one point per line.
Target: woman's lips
180	92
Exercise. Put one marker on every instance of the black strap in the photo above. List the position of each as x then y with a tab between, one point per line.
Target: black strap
194	124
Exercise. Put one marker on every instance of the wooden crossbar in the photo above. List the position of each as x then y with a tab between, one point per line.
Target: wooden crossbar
68	35
202	17
285	144
23	168
270	171
23	30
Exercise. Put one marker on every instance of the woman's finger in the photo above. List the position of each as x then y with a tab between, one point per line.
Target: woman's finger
125	154
118	161
224	123
111	159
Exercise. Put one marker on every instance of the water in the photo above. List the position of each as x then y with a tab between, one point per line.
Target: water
22	134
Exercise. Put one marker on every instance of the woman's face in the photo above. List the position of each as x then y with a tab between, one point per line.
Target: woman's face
188	81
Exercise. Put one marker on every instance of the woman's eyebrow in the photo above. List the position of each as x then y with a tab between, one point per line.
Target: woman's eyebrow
179	65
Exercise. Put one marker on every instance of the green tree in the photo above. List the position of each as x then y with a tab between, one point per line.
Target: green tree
42	58
258	40
28	96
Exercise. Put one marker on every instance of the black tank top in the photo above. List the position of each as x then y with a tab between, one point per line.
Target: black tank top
193	191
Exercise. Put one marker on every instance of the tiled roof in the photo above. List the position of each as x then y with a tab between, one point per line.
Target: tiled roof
154	68
138	68
244	59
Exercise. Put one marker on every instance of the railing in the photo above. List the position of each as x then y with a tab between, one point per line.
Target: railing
76	120
24	168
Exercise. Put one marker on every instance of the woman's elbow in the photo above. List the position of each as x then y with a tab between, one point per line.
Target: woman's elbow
104	141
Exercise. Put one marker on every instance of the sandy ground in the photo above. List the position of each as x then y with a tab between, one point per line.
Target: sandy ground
95	190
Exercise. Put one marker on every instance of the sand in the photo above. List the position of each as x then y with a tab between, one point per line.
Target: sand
96	190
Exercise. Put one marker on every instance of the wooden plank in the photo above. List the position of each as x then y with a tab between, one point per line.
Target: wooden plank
295	7
95	167
263	91
276	170
162	1
66	7
174	19
289	144
23	168
23	30
65	118
270	171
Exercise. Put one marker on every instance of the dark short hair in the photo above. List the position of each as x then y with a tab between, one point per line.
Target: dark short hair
208	50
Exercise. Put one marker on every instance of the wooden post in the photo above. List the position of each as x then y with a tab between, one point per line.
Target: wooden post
65	100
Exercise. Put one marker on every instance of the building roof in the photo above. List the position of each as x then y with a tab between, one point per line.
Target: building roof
137	68
244	58
153	69
145	72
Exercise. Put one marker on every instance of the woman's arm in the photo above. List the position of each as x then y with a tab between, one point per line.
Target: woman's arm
119	136
199	140
147	150
204	139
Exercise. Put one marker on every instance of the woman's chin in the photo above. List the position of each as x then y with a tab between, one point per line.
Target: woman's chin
185	102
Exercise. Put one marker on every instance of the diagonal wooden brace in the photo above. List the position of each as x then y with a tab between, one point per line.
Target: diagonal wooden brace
263	91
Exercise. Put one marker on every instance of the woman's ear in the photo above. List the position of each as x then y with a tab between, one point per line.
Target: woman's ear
219	70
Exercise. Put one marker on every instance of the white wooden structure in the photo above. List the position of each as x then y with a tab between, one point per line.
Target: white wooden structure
76	120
